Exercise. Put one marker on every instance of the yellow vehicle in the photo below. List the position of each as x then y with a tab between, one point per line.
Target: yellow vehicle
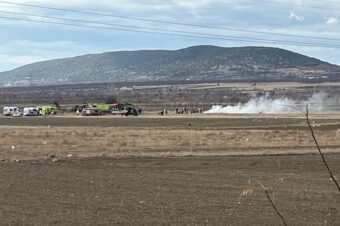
47	110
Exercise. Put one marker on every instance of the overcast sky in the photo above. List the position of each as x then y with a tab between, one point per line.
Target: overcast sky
24	42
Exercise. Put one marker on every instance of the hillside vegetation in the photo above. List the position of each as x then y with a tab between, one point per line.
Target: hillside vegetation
198	63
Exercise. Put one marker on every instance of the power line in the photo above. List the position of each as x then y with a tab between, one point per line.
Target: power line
301	6
119	29
174	31
169	22
328	1
125	26
240	39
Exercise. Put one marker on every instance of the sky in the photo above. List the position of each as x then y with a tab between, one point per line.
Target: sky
23	42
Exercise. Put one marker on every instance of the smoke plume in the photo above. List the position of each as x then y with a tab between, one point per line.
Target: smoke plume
265	104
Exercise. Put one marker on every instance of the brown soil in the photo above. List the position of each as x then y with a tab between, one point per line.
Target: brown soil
170	191
89	172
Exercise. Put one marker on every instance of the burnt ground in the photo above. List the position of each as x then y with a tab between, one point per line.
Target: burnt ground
170	191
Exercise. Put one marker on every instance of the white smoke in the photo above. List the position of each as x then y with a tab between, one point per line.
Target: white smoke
265	104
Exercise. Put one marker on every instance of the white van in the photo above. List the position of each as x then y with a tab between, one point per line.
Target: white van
9	111
31	111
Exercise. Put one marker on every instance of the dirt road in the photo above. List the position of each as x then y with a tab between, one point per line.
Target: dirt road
204	121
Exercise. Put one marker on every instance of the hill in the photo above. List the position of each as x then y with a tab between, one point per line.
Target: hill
197	63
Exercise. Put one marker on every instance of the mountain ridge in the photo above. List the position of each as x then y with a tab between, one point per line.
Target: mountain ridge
194	63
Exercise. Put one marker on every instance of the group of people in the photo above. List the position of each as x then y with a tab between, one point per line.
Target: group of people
189	111
183	111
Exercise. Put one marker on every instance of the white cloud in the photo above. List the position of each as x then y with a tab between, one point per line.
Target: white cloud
294	16
332	20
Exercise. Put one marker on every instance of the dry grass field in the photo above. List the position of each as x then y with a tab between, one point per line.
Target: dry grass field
39	138
156	97
40	143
